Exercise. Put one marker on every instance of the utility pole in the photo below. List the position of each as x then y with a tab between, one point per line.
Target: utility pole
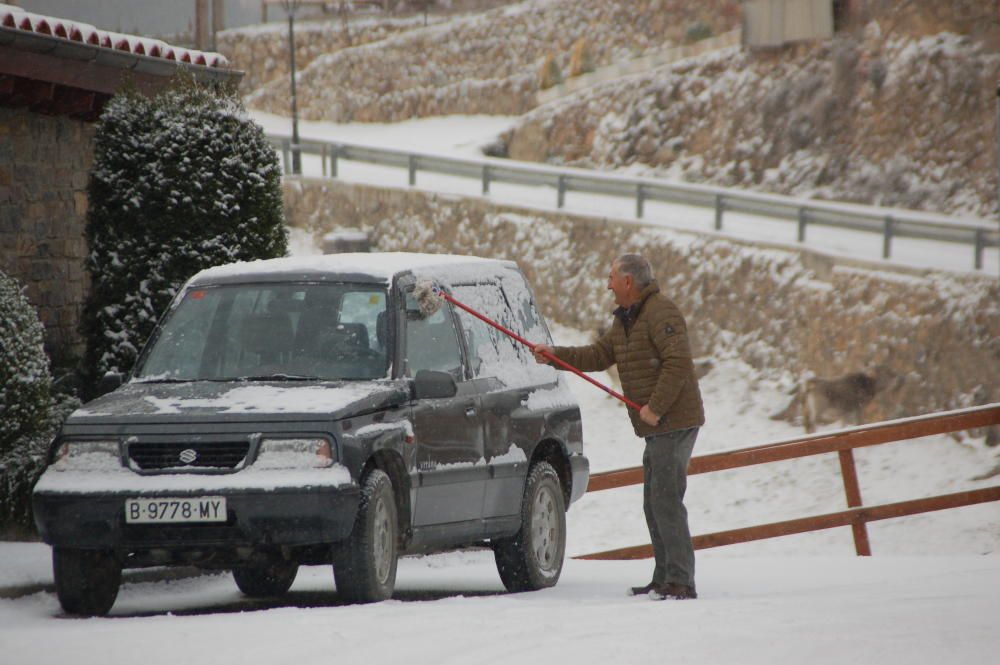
290	7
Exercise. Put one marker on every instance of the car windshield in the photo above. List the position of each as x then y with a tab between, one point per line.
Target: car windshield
281	332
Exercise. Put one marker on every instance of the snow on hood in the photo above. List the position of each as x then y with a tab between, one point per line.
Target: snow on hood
202	398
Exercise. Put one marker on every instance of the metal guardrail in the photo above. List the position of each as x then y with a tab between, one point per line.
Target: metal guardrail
889	224
842	443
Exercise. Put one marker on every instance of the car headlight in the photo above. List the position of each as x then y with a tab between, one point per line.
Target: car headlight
87	456
294	454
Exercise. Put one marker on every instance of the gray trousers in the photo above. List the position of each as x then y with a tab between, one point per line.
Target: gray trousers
665	463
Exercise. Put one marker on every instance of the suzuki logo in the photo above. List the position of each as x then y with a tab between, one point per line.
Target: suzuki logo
187	456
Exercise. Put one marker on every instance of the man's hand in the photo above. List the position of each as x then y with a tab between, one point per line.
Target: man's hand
538	351
647	416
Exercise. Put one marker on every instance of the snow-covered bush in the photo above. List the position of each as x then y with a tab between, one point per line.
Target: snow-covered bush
181	182
25	403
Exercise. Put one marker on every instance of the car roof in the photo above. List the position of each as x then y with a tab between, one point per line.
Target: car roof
374	267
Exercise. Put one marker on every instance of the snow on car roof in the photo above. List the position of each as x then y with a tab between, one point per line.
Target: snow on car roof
378	266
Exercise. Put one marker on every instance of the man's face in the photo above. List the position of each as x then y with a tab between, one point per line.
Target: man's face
621	285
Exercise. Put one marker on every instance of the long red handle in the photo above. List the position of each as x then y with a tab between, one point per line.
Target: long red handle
545	354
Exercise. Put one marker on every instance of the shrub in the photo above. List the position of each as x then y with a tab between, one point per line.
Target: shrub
25	405
181	182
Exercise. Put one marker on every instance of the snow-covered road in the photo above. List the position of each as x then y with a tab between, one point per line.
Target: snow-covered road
464	137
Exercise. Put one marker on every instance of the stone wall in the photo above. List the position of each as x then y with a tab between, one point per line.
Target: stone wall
781	310
44	164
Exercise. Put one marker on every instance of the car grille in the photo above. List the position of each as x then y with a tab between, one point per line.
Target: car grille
215	455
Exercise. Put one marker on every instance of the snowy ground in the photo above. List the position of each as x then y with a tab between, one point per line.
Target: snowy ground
929	595
464	136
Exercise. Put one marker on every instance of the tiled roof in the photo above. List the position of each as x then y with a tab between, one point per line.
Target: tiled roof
83	33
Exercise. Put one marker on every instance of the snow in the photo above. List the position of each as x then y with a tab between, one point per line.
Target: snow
385	267
465	136
121	480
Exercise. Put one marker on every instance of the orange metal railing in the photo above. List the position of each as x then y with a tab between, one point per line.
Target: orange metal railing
842	442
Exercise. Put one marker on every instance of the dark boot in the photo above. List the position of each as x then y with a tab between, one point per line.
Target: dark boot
642	590
670	591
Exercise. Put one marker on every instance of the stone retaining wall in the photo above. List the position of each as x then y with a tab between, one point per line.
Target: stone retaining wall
44	165
781	310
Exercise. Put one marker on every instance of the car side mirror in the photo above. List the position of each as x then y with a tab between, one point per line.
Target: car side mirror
431	384
110	381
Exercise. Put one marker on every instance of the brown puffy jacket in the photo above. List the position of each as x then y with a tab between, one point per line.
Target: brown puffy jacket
654	364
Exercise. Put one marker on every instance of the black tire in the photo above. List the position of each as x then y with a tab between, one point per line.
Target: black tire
271	579
364	567
87	581
533	558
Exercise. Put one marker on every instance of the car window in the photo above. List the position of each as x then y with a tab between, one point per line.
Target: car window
432	342
325	331
488	347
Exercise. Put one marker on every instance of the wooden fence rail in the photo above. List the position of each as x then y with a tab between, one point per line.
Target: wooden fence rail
843	442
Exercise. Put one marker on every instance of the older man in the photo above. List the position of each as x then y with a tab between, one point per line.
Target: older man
649	342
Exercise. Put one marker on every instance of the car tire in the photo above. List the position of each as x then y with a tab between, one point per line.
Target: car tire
532	559
87	581
271	579
364	567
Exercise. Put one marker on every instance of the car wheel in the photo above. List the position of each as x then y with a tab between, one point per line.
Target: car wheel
87	581
271	579
532	559
364	567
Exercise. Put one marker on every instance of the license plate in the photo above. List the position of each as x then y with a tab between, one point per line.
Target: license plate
172	511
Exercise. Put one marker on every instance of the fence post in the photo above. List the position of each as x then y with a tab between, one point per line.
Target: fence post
640	200
322	158
803	214
719	207
486	179
413	170
853	491
980	245
334	154
887	238
286	159
561	195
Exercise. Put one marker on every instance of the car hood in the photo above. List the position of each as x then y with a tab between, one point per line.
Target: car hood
240	401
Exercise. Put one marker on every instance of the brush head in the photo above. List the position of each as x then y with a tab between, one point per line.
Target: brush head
428	296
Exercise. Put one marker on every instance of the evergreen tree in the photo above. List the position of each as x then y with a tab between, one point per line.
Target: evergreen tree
25	406
181	182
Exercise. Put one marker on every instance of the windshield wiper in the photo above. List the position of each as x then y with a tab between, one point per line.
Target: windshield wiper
163	380
277	377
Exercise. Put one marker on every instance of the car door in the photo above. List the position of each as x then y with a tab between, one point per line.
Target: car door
448	434
505	372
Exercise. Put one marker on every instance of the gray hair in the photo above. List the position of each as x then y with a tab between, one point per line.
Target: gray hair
637	268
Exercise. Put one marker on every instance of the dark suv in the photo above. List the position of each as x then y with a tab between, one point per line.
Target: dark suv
305	412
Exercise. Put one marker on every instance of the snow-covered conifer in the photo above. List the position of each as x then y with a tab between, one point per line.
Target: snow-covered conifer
181	182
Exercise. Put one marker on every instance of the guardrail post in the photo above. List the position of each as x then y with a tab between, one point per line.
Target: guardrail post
803	215
286	158
853	491
413	170
561	193
720	205
640	200
322	158
980	245
887	238
334	154
486	179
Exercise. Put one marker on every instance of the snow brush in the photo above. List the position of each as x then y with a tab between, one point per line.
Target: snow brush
430	297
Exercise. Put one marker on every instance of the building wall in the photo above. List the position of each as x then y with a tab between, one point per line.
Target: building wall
44	165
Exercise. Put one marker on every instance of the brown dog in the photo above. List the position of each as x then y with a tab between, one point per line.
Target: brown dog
843	398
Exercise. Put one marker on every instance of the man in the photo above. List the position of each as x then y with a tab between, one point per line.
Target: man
648	341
